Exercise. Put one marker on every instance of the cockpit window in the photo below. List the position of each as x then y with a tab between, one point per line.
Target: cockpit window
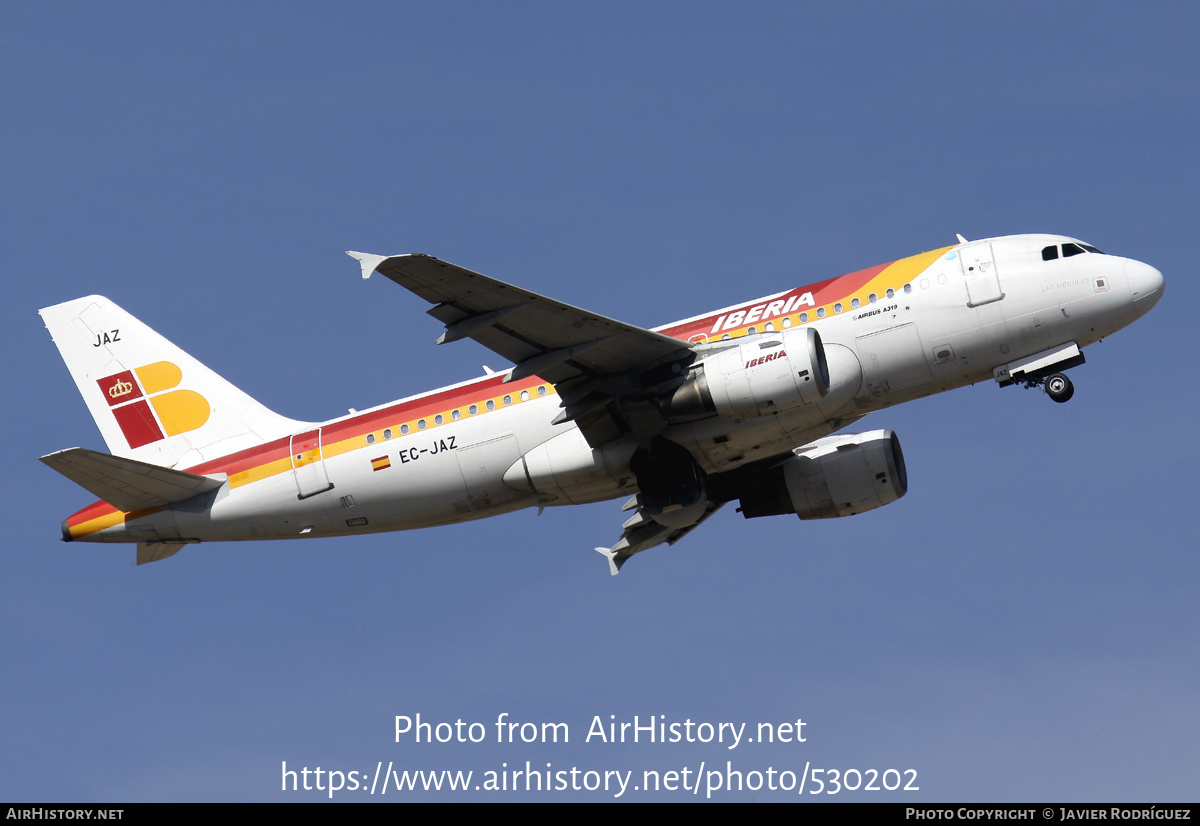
1050	253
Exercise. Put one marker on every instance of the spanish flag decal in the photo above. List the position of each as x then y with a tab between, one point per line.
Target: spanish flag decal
382	463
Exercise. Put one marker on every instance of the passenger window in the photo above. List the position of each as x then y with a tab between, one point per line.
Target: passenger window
1050	253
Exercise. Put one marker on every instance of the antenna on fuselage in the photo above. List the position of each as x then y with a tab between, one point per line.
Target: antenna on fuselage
961	240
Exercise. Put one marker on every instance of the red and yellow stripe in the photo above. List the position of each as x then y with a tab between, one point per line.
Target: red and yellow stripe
826	294
273	458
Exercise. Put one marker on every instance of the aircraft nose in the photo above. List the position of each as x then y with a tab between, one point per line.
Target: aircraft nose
1145	285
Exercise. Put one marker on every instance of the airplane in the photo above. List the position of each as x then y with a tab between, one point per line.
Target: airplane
745	403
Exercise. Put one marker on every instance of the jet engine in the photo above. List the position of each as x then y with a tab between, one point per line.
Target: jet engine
834	476
760	377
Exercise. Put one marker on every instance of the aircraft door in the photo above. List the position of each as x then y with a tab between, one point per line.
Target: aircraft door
308	466
483	466
979	273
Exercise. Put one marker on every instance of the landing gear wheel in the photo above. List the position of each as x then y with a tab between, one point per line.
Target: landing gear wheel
1059	388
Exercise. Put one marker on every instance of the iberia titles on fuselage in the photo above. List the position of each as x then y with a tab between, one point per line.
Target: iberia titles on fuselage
744	403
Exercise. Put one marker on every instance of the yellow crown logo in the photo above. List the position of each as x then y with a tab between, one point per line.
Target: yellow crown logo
120	388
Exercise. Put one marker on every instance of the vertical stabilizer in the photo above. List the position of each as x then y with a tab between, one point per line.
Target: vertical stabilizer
152	401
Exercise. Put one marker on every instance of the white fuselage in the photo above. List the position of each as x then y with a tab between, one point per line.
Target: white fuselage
975	308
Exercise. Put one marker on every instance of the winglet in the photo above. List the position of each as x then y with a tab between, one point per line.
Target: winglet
367	261
614	562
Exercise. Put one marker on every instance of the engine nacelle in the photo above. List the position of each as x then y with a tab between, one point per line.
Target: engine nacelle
760	377
834	476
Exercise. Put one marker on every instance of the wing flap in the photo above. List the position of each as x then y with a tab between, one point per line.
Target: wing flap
127	483
641	532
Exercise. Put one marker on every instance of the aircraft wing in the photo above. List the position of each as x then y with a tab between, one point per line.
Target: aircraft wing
593	361
641	532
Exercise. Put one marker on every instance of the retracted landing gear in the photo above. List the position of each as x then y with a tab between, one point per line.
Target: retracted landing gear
1057	386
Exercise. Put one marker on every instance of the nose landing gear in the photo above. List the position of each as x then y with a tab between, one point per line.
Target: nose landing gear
1057	386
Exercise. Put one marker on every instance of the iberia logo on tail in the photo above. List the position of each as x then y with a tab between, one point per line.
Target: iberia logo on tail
148	408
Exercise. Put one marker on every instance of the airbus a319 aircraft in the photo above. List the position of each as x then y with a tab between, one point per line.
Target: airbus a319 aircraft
744	403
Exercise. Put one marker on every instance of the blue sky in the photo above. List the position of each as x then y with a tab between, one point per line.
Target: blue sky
1021	626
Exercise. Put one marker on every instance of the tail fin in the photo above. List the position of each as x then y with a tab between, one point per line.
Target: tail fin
152	401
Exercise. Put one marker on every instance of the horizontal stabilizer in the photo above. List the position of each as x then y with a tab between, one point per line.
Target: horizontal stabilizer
127	483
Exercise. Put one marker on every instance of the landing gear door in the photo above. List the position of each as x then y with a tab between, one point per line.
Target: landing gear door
979	273
308	466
